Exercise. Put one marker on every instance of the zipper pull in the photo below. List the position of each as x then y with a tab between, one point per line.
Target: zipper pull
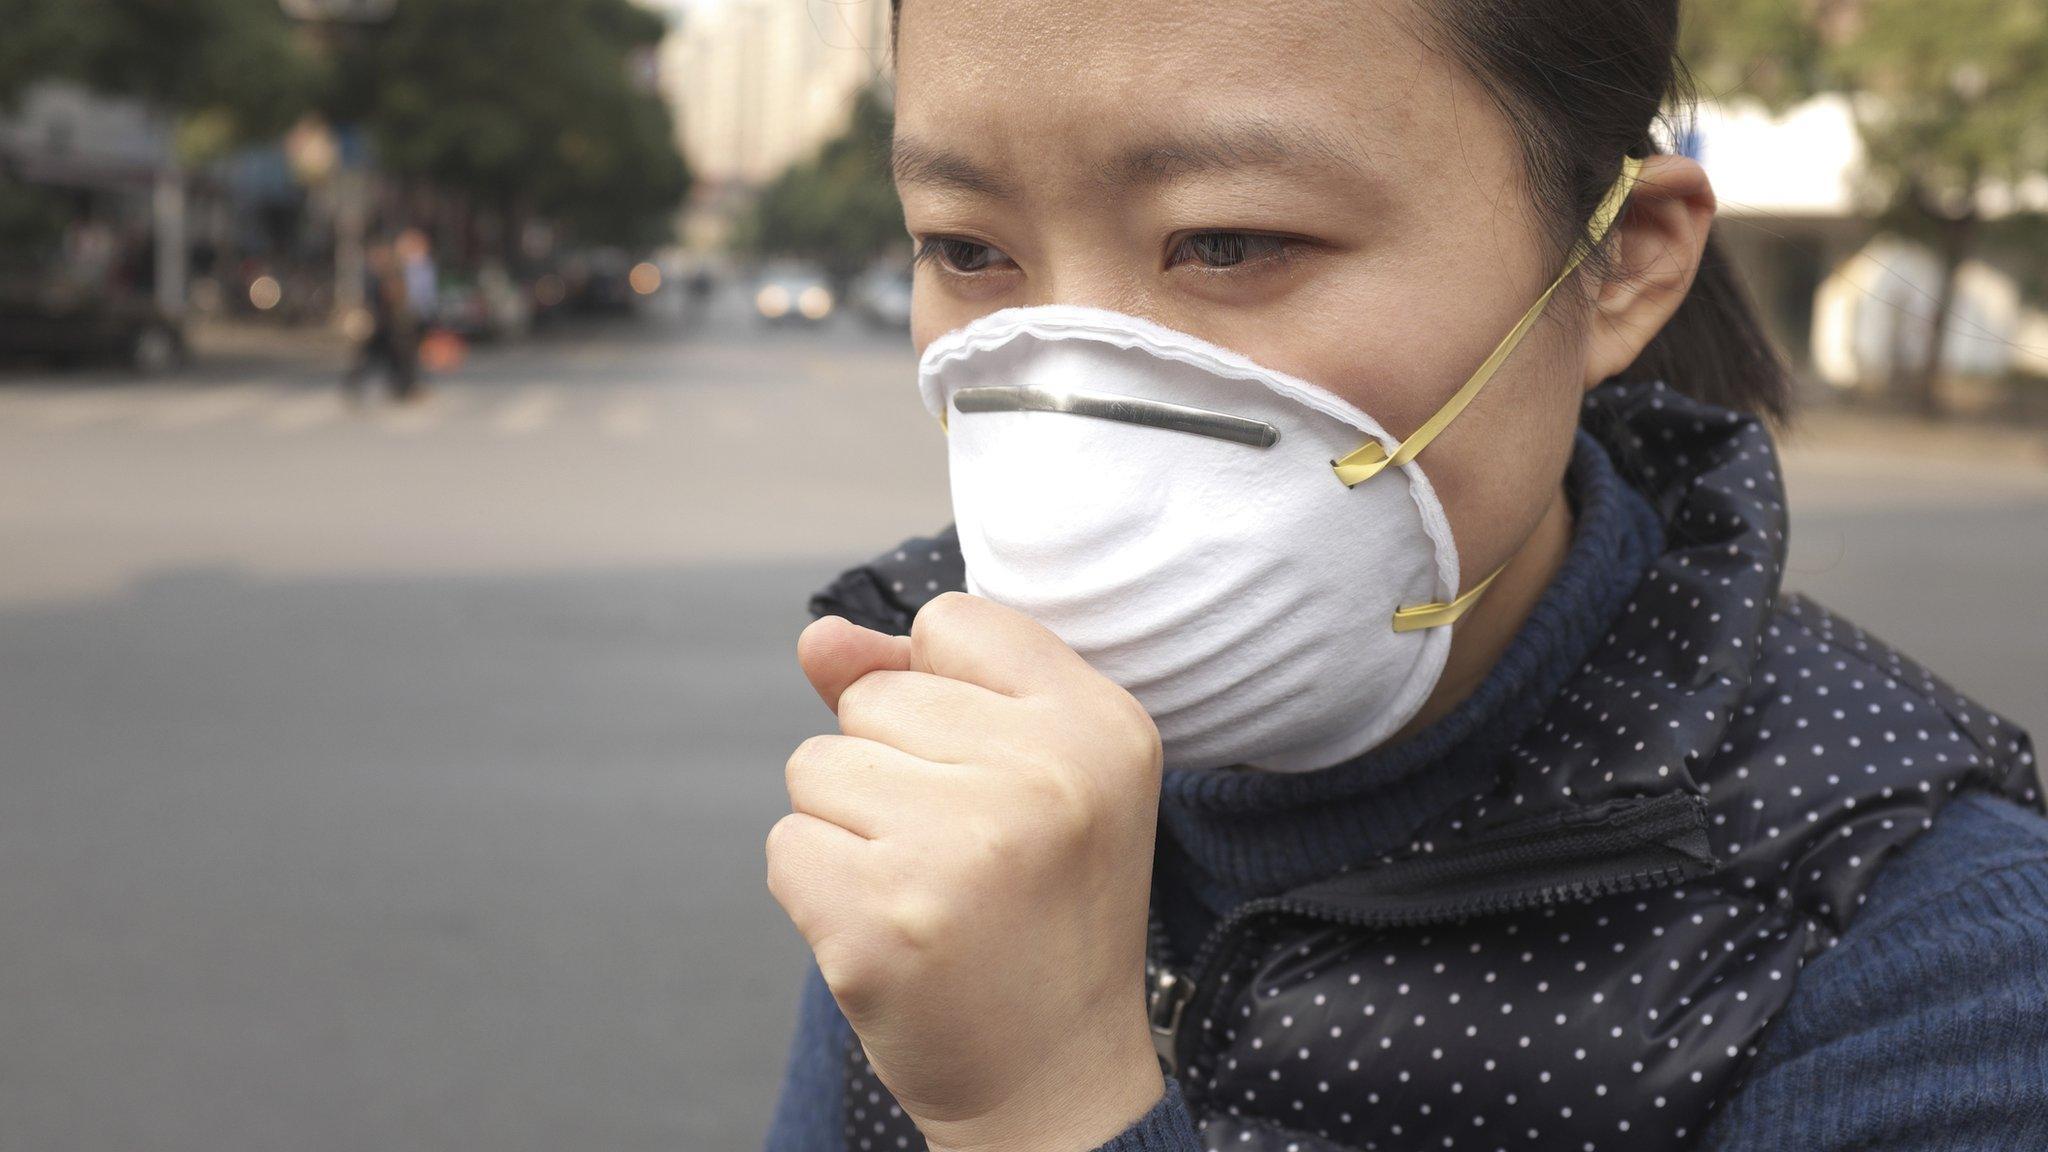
1166	997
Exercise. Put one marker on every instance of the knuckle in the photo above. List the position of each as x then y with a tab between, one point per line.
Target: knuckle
1140	736
1080	822
994	844
892	948
863	698
853	974
939	615
950	601
1062	800
787	846
917	926
782	854
804	762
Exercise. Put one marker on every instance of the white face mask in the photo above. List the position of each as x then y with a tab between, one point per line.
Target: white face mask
1208	533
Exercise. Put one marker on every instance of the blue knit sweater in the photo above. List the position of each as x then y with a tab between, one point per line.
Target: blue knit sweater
1925	1027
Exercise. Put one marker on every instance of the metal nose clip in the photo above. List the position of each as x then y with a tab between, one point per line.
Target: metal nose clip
1124	409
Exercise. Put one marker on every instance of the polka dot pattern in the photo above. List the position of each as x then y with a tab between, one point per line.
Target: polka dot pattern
1814	753
873	1121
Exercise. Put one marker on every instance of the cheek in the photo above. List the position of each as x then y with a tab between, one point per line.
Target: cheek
1500	465
934	311
926	323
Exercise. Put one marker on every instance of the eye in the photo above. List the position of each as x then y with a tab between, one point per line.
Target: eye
1228	249
965	257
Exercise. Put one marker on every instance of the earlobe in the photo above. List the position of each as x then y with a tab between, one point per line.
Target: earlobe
1656	249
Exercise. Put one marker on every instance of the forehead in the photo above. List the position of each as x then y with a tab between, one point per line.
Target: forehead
1050	81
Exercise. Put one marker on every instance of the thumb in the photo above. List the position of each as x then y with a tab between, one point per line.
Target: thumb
834	652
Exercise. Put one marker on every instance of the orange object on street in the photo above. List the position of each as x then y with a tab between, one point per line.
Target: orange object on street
442	351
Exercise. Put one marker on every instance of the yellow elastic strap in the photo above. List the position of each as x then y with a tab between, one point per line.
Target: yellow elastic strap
1370	458
1436	615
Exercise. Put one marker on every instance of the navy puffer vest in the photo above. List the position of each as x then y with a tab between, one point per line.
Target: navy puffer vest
1585	955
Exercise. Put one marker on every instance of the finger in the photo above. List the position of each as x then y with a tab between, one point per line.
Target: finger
816	871
928	716
834	652
971	638
864	787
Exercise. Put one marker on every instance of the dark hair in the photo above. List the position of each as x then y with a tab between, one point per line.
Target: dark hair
1583	82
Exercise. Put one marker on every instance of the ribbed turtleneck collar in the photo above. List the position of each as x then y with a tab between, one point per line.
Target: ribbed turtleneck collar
1233	835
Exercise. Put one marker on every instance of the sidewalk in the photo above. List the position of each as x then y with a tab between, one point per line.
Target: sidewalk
215	343
1843	458
1824	429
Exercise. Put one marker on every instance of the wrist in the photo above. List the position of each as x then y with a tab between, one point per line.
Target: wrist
1073	1106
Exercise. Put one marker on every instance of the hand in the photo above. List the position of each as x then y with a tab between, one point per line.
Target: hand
970	861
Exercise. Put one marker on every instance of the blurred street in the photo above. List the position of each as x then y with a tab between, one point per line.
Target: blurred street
398	779
395	778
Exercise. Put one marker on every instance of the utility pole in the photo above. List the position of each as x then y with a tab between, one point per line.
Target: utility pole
167	208
350	183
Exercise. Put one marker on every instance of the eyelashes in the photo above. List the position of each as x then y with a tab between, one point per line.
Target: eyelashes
1208	251
961	257
1229	249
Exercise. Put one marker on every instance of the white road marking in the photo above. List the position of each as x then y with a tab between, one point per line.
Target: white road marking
301	413
724	417
527	413
421	416
627	420
69	409
197	409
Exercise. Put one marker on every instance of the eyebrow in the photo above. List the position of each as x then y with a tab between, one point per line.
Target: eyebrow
1249	142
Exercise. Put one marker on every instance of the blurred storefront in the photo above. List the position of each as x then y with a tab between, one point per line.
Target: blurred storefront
1855	306
93	251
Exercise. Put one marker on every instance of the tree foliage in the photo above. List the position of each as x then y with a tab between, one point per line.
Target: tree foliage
527	105
1949	99
229	70
838	208
1948	96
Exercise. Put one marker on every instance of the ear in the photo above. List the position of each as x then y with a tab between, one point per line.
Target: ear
1657	246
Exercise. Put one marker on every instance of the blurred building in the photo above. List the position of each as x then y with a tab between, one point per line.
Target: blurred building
1849	303
100	162
759	84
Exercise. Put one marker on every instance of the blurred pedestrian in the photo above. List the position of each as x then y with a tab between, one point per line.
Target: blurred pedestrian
391	346
698	290
422	278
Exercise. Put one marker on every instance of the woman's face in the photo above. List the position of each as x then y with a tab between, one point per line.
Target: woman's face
1300	181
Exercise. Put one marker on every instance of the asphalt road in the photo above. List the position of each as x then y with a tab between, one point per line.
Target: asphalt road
396	778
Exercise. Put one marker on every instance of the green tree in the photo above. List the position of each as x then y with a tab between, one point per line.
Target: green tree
1949	98
838	208
528	106
228	70
38	44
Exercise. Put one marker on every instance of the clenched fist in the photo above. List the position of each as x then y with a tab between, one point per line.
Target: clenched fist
969	861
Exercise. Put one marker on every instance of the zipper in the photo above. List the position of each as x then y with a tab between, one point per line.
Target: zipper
1166	998
1616	847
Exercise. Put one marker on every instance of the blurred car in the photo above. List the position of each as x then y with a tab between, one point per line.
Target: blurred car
491	306
793	293
882	297
53	320
598	282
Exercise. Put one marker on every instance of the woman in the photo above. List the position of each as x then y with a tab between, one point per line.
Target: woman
1415	705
